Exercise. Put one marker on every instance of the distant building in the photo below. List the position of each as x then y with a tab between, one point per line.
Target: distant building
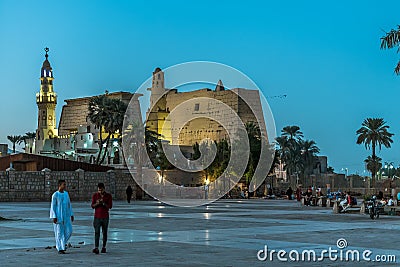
3	150
321	165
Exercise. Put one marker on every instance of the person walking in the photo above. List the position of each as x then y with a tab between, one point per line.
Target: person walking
62	215
101	203
289	193
129	193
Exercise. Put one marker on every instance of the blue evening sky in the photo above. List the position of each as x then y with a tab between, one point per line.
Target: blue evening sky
323	54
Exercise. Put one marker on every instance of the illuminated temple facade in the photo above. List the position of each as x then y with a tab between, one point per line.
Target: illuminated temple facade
163	101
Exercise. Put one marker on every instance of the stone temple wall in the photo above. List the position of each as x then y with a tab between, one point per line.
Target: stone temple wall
39	186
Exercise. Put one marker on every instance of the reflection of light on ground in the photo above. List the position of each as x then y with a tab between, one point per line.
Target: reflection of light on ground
207	235
207	207
160	238
207	215
160	207
160	215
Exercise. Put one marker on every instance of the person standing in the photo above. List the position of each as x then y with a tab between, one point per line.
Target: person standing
101	203
62	215
299	193
289	193
129	193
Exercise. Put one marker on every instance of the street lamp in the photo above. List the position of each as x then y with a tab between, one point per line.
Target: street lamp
388	167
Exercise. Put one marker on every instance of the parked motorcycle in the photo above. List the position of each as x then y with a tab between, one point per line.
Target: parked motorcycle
374	207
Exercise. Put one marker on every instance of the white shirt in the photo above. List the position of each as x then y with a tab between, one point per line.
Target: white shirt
61	207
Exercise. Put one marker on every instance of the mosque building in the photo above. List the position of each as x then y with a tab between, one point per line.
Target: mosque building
76	137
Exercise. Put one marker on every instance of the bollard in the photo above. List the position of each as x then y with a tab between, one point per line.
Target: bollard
336	207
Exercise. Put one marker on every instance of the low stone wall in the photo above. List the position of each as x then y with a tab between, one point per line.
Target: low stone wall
39	186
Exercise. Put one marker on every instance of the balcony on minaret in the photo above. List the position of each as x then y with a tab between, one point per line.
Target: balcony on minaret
50	98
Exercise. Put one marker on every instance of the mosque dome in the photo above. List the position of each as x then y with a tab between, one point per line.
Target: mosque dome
46	64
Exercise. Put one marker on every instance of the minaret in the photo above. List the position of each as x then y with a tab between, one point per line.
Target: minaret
157	86
46	100
220	86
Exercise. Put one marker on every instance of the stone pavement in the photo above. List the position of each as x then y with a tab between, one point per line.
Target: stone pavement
225	233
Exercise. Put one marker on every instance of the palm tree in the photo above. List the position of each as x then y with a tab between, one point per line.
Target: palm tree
27	136
108	115
98	115
152	140
374	132
309	150
15	139
254	137
275	162
290	150
294	161
391	40
373	164
292	132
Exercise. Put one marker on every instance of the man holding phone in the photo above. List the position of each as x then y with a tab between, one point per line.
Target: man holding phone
101	203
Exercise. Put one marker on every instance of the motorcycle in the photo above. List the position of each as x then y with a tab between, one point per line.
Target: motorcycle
374	207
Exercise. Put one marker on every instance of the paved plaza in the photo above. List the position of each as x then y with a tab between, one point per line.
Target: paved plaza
224	233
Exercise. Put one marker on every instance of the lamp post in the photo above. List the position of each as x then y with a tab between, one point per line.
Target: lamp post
388	167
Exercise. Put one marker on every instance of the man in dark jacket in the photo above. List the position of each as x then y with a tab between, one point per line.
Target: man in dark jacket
129	192
101	203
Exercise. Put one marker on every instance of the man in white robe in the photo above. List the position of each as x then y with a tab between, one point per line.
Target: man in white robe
62	215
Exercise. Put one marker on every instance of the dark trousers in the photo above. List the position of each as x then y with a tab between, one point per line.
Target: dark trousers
103	223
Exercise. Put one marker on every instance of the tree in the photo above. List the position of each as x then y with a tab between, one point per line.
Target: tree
275	162
373	164
298	156
254	137
374	132
108	115
15	139
27	136
283	147
219	163
391	40
309	150
152	141
292	132
289	150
